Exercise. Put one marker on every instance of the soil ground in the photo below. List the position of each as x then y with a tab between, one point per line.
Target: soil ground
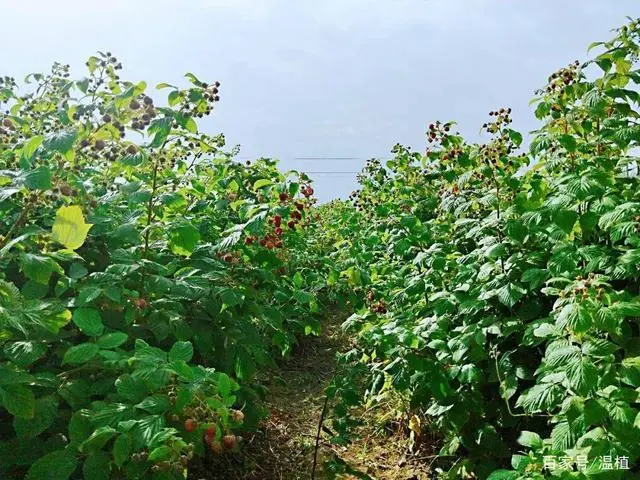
283	447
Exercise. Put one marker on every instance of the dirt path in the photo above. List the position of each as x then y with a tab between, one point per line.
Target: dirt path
283	448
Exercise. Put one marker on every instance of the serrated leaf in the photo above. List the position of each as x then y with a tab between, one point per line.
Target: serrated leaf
565	219
57	465
155	404
121	449
263	182
132	389
61	141
98	439
80	353
112	340
89	321
183	238
540	397
19	400
97	466
38	267
69	228
181	351
46	410
530	439
562	437
30	146
38	179
24	353
80	427
161	453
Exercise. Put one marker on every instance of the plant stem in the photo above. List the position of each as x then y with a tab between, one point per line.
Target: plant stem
13	227
320	422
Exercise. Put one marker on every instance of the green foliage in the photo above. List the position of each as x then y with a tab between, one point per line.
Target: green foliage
496	291
141	283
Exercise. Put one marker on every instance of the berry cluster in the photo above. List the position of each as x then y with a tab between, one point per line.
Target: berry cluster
214	439
144	113
563	78
502	119
273	239
379	307
436	130
199	101
307	190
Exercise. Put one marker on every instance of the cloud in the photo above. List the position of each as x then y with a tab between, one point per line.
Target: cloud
254	10
391	14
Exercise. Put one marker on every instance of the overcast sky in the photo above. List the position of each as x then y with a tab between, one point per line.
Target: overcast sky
323	78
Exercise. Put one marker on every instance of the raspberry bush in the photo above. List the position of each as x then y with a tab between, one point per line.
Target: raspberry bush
496	288
142	281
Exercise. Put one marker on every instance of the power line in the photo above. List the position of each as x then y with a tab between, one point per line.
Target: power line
306	159
314	158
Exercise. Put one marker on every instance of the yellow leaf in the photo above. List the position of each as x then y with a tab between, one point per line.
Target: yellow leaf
414	425
70	229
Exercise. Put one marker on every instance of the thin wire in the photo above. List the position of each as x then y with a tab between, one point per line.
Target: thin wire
306	159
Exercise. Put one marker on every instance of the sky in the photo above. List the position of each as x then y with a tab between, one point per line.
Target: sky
323	85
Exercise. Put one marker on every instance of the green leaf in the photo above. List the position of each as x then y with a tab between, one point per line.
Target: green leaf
160	128
97	466
45	413
69	228
175	97
160	453
183	398
38	268
182	369
535	277
89	321
58	465
183	238
121	449
565	219
80	353
80	427
503	475
132	389
24	353
38	179
568	142
509	294
155	404
573	316
540	397
193	79
98	439
516	137
530	439
582	375
112	340
87	294
77	271
263	182
191	125
562	437
60	141
496	251
30	147
18	400
181	351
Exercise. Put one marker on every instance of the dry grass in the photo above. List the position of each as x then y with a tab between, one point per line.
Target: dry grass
283	447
